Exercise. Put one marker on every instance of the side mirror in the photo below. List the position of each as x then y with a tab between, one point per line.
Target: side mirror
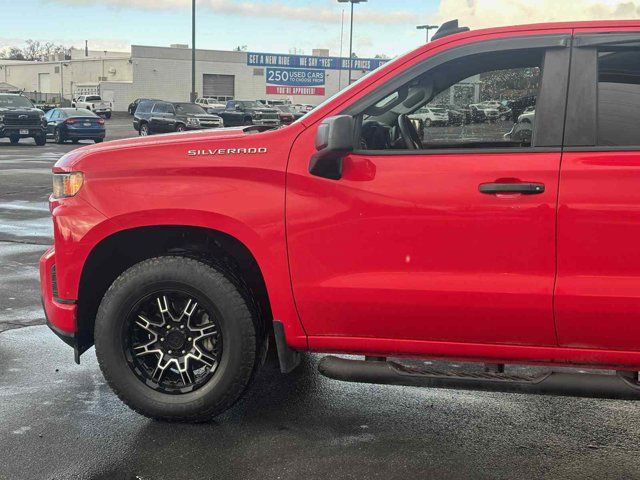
334	140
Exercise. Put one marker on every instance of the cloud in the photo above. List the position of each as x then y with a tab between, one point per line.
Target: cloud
491	13
271	9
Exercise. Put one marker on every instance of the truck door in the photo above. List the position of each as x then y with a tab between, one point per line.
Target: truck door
598	289
446	234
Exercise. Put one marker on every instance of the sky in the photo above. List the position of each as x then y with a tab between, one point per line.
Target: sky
280	26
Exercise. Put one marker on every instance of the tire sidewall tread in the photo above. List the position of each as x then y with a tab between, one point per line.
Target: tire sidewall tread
240	343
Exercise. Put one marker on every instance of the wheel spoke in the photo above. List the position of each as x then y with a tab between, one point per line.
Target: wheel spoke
161	367
202	357
163	307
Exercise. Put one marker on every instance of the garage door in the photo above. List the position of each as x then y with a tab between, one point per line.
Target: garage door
214	85
44	83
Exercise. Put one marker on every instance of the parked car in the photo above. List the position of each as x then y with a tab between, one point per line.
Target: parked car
286	114
211	105
74	124
157	116
522	130
289	109
458	115
431	115
484	112
249	112
180	257
20	119
93	103
520	105
134	105
302	108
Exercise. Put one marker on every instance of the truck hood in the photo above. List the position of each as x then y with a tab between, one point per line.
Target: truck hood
218	138
21	110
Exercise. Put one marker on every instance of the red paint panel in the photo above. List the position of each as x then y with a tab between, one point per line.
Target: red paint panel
405	246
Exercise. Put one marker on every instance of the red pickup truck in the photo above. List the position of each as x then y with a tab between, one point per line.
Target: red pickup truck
351	231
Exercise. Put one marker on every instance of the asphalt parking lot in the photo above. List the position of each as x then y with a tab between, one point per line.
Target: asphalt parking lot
59	420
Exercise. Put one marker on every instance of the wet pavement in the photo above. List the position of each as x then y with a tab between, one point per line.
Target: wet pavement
59	420
25	223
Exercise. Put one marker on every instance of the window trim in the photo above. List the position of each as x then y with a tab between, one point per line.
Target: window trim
581	125
557	48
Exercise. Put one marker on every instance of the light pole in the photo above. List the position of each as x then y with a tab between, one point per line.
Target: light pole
427	28
194	95
352	2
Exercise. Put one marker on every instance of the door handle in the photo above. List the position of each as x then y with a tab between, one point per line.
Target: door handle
523	188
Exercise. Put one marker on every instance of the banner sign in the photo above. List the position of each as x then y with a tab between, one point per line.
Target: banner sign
307	61
284	90
295	81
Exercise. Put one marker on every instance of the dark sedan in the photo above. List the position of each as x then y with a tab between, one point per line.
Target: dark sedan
74	124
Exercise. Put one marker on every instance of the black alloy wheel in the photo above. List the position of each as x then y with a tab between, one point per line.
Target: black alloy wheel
171	342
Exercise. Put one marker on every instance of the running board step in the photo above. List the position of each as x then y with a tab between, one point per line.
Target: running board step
591	385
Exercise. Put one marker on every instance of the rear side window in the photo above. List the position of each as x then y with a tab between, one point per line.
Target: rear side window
144	106
162	107
619	96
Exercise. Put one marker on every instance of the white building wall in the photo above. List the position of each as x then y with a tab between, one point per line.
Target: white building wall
26	75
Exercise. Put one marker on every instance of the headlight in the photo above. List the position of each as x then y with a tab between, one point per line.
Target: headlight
1	118
67	184
193	121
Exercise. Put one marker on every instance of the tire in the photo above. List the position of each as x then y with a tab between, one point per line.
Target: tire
58	136
98	140
41	140
247	121
107	115
144	130
235	319
180	128
14	139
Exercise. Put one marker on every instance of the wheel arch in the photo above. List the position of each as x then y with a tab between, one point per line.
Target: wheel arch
120	250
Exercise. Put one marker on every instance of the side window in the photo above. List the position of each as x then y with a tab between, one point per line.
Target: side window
480	101
144	106
161	107
619	96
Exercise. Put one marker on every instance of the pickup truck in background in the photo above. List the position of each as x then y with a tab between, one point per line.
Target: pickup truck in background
93	103
19	118
249	112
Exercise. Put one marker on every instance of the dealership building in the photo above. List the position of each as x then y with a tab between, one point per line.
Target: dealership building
165	73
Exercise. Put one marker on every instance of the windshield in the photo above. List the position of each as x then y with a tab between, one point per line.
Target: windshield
190	108
14	101
93	98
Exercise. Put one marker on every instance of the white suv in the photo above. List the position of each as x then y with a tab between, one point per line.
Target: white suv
431	116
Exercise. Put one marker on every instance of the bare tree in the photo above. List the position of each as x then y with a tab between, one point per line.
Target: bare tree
35	50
